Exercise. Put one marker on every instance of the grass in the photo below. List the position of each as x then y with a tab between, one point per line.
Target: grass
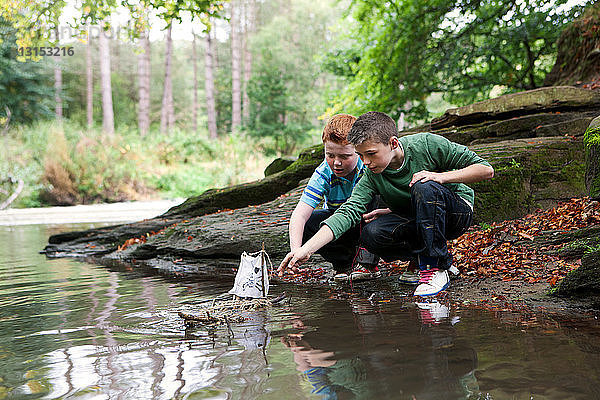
67	164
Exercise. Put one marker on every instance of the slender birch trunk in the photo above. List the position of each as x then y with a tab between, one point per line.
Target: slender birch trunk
144	85
236	61
209	87
249	26
89	80
195	98
58	103
108	122
166	112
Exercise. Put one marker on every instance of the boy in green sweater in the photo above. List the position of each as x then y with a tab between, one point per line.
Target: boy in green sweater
422	179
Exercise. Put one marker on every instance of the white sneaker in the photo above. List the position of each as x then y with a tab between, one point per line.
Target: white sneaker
432	282
341	277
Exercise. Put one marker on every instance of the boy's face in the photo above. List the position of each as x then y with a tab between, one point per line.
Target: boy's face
377	156
341	158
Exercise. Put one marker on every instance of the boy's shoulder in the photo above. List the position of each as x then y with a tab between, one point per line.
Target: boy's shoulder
419	137
324	171
423	140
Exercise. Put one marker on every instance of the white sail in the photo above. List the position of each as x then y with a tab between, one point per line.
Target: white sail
252	278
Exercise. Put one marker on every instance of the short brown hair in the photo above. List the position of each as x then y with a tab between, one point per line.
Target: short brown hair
337	128
374	125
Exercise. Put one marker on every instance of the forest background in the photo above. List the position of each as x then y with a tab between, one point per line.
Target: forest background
167	98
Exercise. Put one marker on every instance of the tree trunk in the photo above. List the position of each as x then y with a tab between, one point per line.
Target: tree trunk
236	61
144	85
249	26
58	104
89	80
195	99
166	111
209	84
108	123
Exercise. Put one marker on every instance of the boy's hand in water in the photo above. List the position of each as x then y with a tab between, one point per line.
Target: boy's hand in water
293	260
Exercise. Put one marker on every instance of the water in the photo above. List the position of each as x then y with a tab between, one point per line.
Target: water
69	329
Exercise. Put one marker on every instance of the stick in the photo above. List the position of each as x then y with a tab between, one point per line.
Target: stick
262	269
13	196
8	115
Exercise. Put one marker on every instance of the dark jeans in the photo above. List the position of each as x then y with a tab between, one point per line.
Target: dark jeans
437	214
345	251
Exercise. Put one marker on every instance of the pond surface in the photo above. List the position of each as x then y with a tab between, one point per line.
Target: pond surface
70	329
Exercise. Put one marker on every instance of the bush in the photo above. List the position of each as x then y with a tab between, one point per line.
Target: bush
65	164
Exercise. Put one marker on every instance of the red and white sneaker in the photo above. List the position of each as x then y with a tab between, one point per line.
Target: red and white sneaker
363	273
432	282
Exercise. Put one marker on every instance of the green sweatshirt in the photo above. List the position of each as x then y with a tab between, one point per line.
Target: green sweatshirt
422	151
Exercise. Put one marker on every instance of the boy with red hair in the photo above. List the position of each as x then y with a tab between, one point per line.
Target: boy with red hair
332	184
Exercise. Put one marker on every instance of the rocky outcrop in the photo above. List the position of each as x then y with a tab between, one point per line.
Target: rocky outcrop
207	233
553	111
526	171
107	239
549	99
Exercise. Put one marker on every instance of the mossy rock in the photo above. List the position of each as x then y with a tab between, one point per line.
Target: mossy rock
528	175
585	280
278	165
579	247
591	141
252	193
545	124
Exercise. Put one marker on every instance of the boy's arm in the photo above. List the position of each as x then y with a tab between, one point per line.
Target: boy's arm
300	215
296	257
342	219
472	173
351	212
457	163
314	193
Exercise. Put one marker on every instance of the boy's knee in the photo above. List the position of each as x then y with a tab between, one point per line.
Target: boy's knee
424	186
372	234
422	190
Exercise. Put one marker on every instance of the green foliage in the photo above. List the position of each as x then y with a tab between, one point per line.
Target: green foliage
592	136
63	163
25	88
273	114
35	22
402	50
288	88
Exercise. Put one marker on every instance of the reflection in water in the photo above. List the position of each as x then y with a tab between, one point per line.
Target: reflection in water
409	354
71	329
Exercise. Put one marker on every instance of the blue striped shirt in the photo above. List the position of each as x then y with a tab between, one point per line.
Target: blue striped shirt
325	187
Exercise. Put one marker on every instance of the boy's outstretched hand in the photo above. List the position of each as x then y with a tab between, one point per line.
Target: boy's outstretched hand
293	260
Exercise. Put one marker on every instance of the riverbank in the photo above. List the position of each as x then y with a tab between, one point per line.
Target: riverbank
130	211
511	265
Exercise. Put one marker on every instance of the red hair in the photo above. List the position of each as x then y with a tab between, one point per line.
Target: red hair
337	128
